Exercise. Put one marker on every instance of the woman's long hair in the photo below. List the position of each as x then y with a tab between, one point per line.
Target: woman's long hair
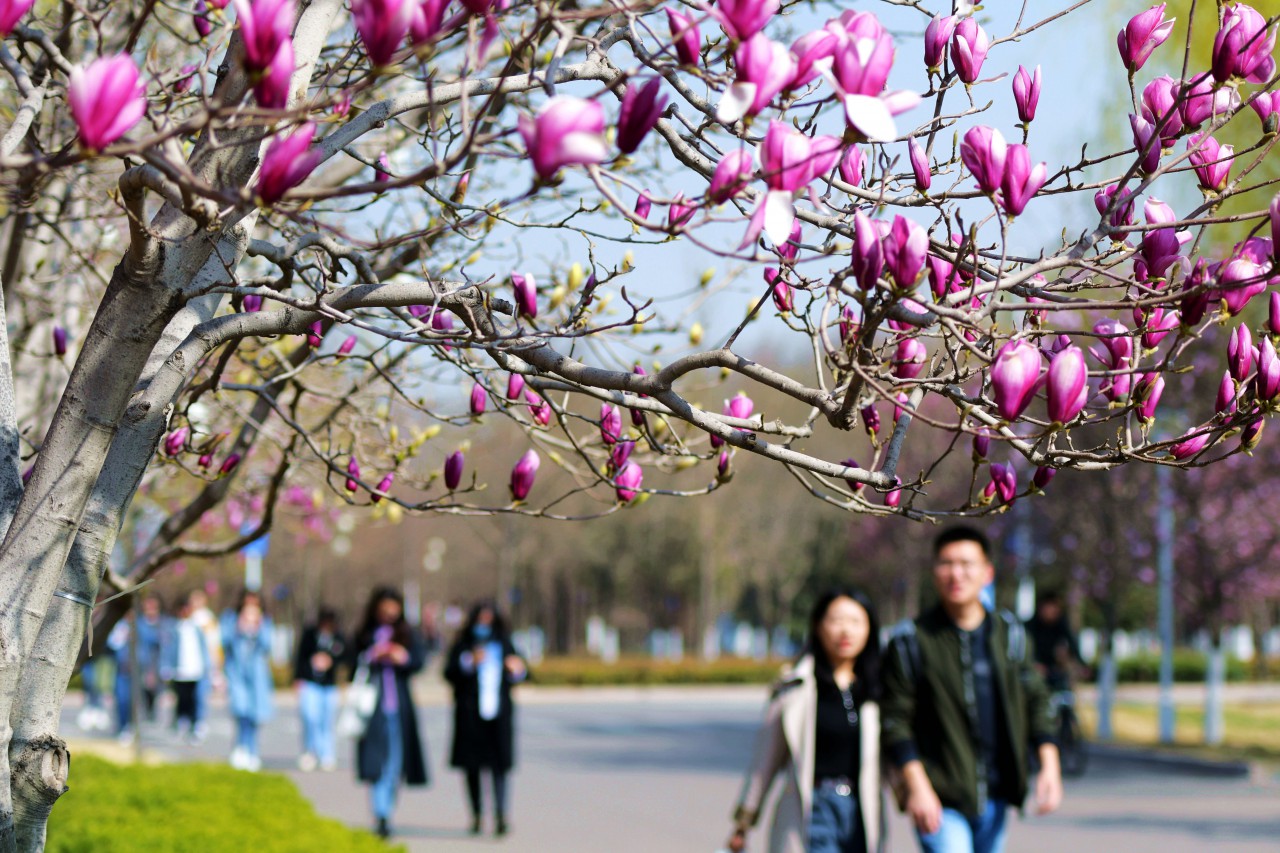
866	667
402	633
500	632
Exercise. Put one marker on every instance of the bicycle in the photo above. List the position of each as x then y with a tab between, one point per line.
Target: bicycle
1073	748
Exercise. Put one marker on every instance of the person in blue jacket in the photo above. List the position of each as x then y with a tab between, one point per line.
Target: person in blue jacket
246	647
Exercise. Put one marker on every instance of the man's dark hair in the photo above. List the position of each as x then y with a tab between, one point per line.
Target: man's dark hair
962	534
1049	596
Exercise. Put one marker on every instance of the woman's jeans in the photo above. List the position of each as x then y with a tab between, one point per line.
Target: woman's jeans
384	790
835	826
247	735
961	834
318	705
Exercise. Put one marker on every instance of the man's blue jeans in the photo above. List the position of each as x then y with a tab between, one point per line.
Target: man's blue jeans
962	834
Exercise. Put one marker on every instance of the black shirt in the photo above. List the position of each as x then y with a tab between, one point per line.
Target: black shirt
313	641
986	701
838	744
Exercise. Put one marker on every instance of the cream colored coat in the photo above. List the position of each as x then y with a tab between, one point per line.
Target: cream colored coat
786	745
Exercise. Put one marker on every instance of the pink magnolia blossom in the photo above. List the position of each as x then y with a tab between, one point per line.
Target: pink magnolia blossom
427	21
678	213
1067	387
567	131
1240	353
1005	481
265	26
479	399
106	99
1189	447
969	46
1146	394
515	386
539	408
1267	381
382	25
644	205
1244	46
1202	100
1026	93
732	174
936	37
851	166
1160	108
742	19
628	481
1143	34
1021	180
983	152
685	36
641	108
1266	105
1212	162
1122	212
610	424
867	253
454	464
525	288
909	358
11	11
523	474
288	161
271	90
175	441
1015	375
1225	403
1147	143
905	248
763	69
920	168
384	486
859	72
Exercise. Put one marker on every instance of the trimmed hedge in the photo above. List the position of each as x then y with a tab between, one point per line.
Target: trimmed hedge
591	672
1188	665
191	808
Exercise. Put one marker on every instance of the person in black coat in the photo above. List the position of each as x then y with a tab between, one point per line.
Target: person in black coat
390	750
482	667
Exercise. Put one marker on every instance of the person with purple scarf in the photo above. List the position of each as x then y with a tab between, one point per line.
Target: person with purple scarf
391	749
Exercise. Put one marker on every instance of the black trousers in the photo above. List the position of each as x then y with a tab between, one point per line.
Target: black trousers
186	694
499	791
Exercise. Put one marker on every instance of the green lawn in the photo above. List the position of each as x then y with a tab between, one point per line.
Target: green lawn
191	808
1252	730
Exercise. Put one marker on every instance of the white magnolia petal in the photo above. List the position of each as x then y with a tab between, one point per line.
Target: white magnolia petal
735	102
871	116
900	100
779	214
584	148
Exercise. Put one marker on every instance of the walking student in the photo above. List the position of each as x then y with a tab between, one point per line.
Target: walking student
483	667
822	735
390	750
963	708
315	673
246	648
185	664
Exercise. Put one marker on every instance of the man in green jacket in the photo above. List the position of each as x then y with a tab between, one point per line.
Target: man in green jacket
963	707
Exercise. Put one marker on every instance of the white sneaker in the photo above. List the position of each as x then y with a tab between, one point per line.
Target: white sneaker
328	764
240	758
253	764
306	762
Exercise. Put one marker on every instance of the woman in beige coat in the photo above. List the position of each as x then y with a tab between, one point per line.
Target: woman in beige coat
822	734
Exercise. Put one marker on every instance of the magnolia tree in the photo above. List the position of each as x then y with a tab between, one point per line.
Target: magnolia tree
303	224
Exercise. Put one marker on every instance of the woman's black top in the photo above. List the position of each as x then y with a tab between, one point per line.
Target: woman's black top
838	745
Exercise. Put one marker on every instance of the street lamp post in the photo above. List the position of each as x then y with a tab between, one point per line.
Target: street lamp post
1164	561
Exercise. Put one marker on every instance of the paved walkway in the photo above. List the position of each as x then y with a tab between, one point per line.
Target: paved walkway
639	771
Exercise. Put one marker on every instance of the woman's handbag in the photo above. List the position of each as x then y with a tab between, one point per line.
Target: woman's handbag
358	704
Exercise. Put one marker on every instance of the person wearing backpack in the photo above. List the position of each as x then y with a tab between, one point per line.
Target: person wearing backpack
964	710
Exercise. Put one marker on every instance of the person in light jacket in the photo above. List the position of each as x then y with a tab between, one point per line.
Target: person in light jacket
821	734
